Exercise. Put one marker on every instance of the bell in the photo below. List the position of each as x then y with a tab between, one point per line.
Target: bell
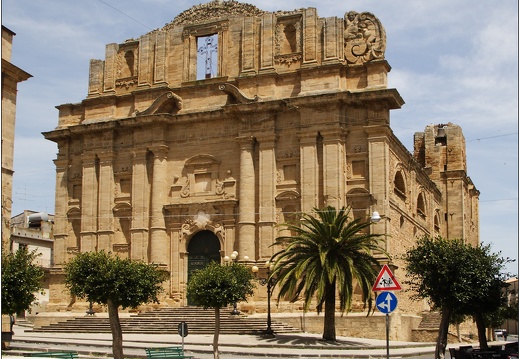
441	132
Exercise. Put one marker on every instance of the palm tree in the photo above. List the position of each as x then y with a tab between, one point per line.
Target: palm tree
327	252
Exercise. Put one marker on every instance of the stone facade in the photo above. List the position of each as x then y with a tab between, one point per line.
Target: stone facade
171	164
11	76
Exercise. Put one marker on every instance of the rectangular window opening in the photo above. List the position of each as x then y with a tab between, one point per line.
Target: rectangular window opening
207	57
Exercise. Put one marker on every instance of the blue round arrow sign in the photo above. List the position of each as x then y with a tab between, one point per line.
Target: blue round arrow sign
386	302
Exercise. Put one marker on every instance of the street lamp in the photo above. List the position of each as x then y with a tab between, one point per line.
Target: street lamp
233	258
269	283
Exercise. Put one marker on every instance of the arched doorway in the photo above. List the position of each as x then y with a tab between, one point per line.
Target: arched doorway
204	247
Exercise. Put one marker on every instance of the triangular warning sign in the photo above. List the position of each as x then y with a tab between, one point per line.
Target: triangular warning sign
385	281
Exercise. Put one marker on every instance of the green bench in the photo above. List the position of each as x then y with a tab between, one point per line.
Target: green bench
61	354
166	352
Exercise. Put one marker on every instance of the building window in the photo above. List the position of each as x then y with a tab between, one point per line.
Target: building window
436	225
399	185
421	207
207	57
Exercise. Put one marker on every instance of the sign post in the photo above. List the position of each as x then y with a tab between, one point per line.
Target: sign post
182	328
386	302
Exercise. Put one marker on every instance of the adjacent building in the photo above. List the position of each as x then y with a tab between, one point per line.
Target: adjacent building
197	139
11	77
34	231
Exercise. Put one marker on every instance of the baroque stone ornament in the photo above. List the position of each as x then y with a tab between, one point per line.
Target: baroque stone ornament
212	10
235	92
365	38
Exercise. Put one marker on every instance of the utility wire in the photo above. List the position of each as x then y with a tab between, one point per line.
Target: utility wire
128	16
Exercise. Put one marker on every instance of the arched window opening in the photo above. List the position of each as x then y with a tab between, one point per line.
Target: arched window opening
421	206
436	225
399	185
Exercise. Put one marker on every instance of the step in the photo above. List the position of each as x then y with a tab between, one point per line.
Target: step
166	320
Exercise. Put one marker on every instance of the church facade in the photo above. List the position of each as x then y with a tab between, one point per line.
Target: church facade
198	139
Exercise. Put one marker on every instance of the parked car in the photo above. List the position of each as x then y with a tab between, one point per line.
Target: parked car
500	334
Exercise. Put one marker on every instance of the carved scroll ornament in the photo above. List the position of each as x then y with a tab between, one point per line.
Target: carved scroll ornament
238	96
365	38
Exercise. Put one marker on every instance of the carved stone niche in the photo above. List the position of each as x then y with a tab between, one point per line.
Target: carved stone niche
288	40
126	61
201	178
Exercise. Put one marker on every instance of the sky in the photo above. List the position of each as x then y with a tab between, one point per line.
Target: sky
452	61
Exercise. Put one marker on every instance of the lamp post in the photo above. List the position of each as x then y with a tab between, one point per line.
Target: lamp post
269	283
233	258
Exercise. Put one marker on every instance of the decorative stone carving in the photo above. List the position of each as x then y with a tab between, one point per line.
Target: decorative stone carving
365	38
236	94
168	102
288	59
213	10
288	40
126	82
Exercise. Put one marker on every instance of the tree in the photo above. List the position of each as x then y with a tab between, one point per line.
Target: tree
218	286
458	279
109	280
21	280
328	253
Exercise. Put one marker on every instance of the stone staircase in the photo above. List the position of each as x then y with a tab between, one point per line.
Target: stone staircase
166	321
430	320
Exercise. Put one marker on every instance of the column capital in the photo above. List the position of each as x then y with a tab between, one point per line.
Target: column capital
246	142
267	139
159	150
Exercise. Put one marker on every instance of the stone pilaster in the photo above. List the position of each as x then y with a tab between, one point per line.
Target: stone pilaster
310	36
248	45
246	211
309	172
160	58
333	40
95	83
89	202
146	45
267	42
140	206
159	246
267	193
61	205
106	202
379	172
334	165
109	79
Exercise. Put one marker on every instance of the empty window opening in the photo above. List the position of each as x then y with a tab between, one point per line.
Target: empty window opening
289	45
399	185
421	206
129	57
207	57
